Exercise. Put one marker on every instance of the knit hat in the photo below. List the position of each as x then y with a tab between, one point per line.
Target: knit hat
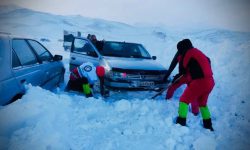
184	45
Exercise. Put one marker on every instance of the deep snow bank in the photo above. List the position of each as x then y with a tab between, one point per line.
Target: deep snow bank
44	120
128	120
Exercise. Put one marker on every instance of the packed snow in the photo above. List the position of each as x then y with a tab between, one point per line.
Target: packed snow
44	119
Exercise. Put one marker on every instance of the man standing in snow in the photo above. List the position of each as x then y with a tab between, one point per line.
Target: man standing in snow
197	73
83	77
177	59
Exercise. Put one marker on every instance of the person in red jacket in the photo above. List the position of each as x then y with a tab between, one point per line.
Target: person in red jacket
197	73
177	58
82	78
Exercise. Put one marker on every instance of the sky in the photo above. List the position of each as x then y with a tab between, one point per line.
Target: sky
227	14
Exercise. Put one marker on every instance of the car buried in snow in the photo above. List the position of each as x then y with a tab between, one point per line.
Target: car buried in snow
26	61
127	65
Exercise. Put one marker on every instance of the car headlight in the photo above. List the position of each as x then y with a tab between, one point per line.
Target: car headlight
112	74
117	75
106	66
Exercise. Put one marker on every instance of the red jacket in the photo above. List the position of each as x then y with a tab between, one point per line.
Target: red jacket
197	64
74	75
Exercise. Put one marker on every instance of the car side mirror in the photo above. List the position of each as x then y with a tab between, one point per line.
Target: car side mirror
154	57
57	57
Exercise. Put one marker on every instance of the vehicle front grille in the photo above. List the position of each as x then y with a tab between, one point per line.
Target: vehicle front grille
142	72
144	77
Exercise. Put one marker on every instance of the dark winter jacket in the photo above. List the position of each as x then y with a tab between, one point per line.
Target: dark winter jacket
182	47
98	45
176	59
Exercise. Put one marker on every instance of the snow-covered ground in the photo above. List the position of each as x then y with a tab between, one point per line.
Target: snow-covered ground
128	120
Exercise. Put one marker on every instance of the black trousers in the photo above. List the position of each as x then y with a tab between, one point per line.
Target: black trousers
76	85
102	85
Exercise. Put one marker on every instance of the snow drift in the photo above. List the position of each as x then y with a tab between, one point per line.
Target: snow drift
128	120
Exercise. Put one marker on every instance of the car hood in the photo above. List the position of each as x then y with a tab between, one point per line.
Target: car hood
133	63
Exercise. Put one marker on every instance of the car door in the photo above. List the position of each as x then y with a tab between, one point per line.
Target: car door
26	68
9	87
53	70
82	51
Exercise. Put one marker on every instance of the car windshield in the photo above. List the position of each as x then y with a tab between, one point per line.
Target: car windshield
122	49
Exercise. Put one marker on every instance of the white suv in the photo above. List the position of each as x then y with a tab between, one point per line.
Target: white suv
127	65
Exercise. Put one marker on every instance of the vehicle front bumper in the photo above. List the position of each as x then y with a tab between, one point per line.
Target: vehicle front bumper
135	85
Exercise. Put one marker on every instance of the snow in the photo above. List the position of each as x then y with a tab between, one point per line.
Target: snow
128	120
203	142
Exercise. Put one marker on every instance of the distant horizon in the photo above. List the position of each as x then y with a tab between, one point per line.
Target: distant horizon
237	22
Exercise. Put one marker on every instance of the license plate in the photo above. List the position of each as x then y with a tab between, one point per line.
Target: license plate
146	83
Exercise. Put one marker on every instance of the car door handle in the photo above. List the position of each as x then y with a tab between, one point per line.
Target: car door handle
23	81
73	58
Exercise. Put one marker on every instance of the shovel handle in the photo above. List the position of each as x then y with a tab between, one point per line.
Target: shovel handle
159	93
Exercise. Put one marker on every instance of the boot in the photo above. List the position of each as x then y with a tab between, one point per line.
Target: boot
181	121
207	124
106	93
89	95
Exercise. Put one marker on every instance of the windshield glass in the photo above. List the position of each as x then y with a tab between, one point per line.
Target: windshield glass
121	49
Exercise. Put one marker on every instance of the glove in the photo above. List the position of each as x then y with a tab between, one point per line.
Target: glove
176	77
175	85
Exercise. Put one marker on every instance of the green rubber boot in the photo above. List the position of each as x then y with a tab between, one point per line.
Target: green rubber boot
183	110
207	122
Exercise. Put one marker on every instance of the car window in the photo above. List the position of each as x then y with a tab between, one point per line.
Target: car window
43	54
82	46
23	52
15	60
122	49
143	51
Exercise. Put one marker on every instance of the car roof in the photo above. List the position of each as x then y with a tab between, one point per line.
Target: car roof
81	37
4	35
7	35
121	42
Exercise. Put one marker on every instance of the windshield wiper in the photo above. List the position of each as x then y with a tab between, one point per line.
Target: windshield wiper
140	57
112	55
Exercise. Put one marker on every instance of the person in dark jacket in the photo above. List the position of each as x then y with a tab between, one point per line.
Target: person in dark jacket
197	74
98	44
